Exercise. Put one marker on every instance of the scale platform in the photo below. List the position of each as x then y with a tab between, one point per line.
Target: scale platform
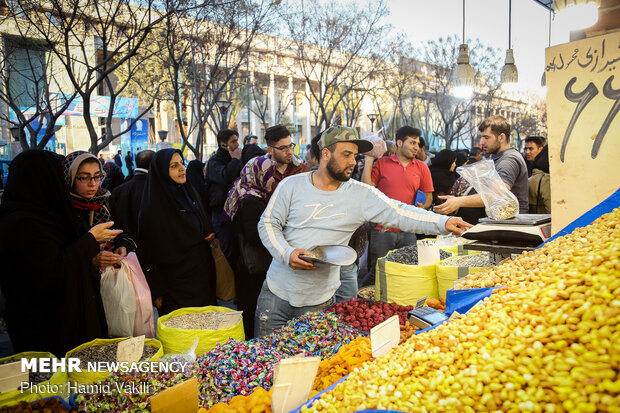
503	238
523	230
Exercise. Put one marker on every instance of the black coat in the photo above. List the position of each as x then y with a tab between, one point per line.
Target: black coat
252	268
172	247
125	204
53	300
222	170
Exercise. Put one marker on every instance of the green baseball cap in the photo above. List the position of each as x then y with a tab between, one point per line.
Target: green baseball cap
336	134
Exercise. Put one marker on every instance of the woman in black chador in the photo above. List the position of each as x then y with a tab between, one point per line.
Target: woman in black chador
53	301
174	235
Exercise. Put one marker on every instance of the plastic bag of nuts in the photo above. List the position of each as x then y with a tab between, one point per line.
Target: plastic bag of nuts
499	202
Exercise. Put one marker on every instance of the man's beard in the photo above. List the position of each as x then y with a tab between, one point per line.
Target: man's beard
335	174
281	159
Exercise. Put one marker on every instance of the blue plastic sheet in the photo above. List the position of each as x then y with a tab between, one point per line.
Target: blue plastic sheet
462	301
603	208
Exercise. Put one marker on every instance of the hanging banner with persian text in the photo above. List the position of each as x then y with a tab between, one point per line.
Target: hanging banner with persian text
583	100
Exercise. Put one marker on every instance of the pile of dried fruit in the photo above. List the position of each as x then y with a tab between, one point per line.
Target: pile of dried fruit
437	303
348	358
364	315
547	342
258	401
407	331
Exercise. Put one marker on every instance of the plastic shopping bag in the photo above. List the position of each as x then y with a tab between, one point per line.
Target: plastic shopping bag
144	323
119	301
499	202
379	146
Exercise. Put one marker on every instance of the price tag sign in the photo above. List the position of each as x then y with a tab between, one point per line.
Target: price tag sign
182	398
130	350
421	302
11	376
292	382
385	336
583	101
228	319
428	252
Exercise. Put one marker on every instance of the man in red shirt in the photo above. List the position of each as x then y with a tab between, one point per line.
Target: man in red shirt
399	177
280	148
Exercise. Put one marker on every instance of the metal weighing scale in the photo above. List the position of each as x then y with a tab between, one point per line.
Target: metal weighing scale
502	238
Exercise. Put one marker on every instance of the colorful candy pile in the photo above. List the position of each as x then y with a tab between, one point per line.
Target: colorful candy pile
130	392
257	402
364	315
348	358
313	334
235	372
238	368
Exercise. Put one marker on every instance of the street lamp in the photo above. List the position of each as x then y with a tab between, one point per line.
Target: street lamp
372	117
163	134
15	133
223	106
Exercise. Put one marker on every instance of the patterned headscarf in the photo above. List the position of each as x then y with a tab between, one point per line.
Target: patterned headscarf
256	179
97	205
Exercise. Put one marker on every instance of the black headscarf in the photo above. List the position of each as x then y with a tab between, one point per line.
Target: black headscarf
114	176
171	219
195	175
542	160
40	190
443	178
250	151
53	301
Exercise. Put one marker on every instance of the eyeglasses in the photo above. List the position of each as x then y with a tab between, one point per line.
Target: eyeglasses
285	147
87	179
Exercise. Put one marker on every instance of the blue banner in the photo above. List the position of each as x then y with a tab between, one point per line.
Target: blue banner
140	136
100	106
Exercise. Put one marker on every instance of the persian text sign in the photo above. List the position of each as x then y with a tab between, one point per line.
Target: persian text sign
583	100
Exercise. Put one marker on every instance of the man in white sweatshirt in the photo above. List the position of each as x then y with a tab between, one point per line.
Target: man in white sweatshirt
325	208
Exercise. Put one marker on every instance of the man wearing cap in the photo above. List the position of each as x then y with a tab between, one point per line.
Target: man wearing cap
399	177
325	208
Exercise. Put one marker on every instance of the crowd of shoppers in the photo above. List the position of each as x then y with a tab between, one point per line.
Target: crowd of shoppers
266	208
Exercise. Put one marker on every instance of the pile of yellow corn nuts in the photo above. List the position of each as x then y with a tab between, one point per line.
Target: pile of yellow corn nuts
547	342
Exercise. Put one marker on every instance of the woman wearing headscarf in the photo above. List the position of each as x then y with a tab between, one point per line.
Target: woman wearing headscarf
53	301
114	175
83	175
196	178
174	234
244	206
442	171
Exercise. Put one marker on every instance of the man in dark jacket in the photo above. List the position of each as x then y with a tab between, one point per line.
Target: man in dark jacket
222	170
129	163
117	159
125	199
